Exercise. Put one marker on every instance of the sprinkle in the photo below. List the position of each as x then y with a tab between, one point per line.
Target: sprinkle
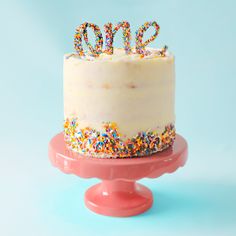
140	45
163	51
111	33
108	141
82	31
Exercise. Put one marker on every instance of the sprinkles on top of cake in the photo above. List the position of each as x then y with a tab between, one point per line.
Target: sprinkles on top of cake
81	32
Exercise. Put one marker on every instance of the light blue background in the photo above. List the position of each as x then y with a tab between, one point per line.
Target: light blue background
36	199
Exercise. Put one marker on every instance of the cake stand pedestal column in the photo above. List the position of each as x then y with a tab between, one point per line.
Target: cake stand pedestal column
118	198
118	194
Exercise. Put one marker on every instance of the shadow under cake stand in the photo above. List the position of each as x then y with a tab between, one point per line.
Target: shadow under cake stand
118	194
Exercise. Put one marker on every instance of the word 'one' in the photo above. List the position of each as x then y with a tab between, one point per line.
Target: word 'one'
110	31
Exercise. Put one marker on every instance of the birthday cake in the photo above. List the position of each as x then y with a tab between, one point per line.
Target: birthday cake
118	103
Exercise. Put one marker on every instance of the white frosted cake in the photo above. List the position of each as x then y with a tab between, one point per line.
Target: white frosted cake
119	105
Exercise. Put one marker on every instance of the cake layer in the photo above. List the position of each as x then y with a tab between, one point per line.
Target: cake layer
134	94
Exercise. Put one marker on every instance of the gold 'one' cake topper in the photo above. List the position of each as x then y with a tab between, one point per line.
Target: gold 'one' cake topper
81	33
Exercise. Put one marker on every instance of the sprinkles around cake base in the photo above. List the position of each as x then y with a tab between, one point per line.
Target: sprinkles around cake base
109	144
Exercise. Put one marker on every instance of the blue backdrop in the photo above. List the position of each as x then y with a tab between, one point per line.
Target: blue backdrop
37	199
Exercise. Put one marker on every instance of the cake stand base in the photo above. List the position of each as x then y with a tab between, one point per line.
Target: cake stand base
118	194
118	198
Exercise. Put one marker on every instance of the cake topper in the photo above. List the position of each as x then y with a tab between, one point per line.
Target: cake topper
111	33
140	45
81	32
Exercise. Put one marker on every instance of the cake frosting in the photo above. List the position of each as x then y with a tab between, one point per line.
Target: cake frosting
119	105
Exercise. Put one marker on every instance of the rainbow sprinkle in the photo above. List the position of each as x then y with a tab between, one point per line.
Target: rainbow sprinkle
140	46
163	51
108	143
111	33
82	31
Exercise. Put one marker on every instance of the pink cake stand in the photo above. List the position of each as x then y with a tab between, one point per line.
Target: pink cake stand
118	194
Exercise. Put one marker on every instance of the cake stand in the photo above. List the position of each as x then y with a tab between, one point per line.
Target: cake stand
118	194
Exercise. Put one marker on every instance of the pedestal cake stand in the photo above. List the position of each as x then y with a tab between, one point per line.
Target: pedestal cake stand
118	194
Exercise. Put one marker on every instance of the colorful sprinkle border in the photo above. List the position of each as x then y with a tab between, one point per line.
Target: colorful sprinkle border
109	144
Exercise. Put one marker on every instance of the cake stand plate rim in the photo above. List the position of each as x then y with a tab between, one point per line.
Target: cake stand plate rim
136	168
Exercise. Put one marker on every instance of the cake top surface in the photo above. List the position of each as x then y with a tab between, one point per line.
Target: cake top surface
119	54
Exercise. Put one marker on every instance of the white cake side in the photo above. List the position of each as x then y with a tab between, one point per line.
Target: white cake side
126	92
